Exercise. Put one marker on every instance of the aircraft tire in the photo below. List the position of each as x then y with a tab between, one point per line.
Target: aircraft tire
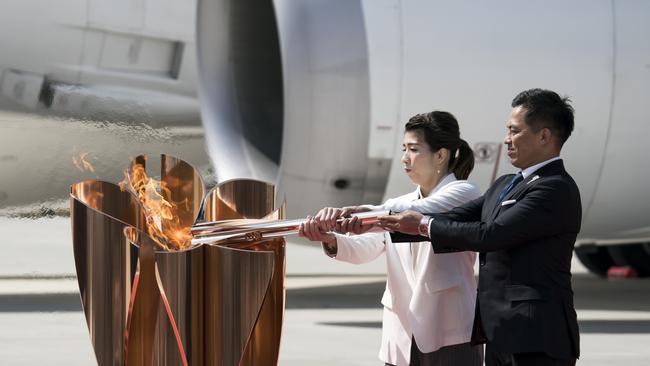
595	258
636	256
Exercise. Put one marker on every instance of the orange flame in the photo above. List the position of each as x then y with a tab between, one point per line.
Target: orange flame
163	225
82	164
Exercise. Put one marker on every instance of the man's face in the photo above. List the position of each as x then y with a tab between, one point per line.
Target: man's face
524	148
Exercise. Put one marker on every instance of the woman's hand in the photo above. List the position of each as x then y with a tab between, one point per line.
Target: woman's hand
311	230
349	210
326	220
352	225
327	216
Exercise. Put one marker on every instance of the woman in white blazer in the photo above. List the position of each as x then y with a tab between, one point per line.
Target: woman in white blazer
429	298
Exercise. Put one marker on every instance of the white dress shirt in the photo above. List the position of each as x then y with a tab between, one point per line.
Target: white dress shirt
532	169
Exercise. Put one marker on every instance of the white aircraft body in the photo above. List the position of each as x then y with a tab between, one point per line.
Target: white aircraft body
313	95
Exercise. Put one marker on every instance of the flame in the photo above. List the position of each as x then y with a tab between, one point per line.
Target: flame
163	225
82	164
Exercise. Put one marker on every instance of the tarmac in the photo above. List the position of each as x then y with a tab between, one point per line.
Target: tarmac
332	316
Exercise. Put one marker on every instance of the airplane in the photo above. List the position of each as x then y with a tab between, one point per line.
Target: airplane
313	95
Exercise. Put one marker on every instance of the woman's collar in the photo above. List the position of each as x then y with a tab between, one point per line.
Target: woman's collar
443	182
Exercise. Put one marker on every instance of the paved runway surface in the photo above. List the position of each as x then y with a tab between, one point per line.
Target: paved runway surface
330	325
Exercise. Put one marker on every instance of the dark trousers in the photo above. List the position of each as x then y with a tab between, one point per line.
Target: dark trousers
495	358
455	355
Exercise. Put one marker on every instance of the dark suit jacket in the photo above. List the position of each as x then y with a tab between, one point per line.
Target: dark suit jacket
525	299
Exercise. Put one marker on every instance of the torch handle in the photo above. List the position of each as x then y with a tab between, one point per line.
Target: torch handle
216	231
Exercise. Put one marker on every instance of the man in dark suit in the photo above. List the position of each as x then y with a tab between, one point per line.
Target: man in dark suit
524	228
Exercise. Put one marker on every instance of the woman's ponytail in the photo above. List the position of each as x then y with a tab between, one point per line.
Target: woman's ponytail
463	164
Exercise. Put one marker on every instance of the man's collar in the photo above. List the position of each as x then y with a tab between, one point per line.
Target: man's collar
532	169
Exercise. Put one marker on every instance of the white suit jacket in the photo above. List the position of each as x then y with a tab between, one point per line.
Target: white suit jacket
433	303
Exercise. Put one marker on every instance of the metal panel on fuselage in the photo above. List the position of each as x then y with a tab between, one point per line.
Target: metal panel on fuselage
621	205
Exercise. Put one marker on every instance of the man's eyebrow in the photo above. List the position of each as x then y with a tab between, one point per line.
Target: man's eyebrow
411	143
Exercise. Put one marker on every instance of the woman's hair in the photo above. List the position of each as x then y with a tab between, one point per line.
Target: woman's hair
440	130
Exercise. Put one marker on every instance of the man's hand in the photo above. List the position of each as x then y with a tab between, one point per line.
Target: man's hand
406	222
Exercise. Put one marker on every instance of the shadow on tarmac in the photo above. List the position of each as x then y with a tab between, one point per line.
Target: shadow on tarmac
591	293
586	326
29	303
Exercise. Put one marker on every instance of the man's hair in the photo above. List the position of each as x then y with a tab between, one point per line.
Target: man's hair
546	109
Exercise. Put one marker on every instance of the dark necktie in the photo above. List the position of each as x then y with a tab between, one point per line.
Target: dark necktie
515	180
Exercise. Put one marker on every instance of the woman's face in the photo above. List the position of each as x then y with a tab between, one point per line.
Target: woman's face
418	160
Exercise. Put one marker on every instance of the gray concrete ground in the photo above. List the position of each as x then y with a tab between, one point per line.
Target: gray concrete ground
332	317
330	325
